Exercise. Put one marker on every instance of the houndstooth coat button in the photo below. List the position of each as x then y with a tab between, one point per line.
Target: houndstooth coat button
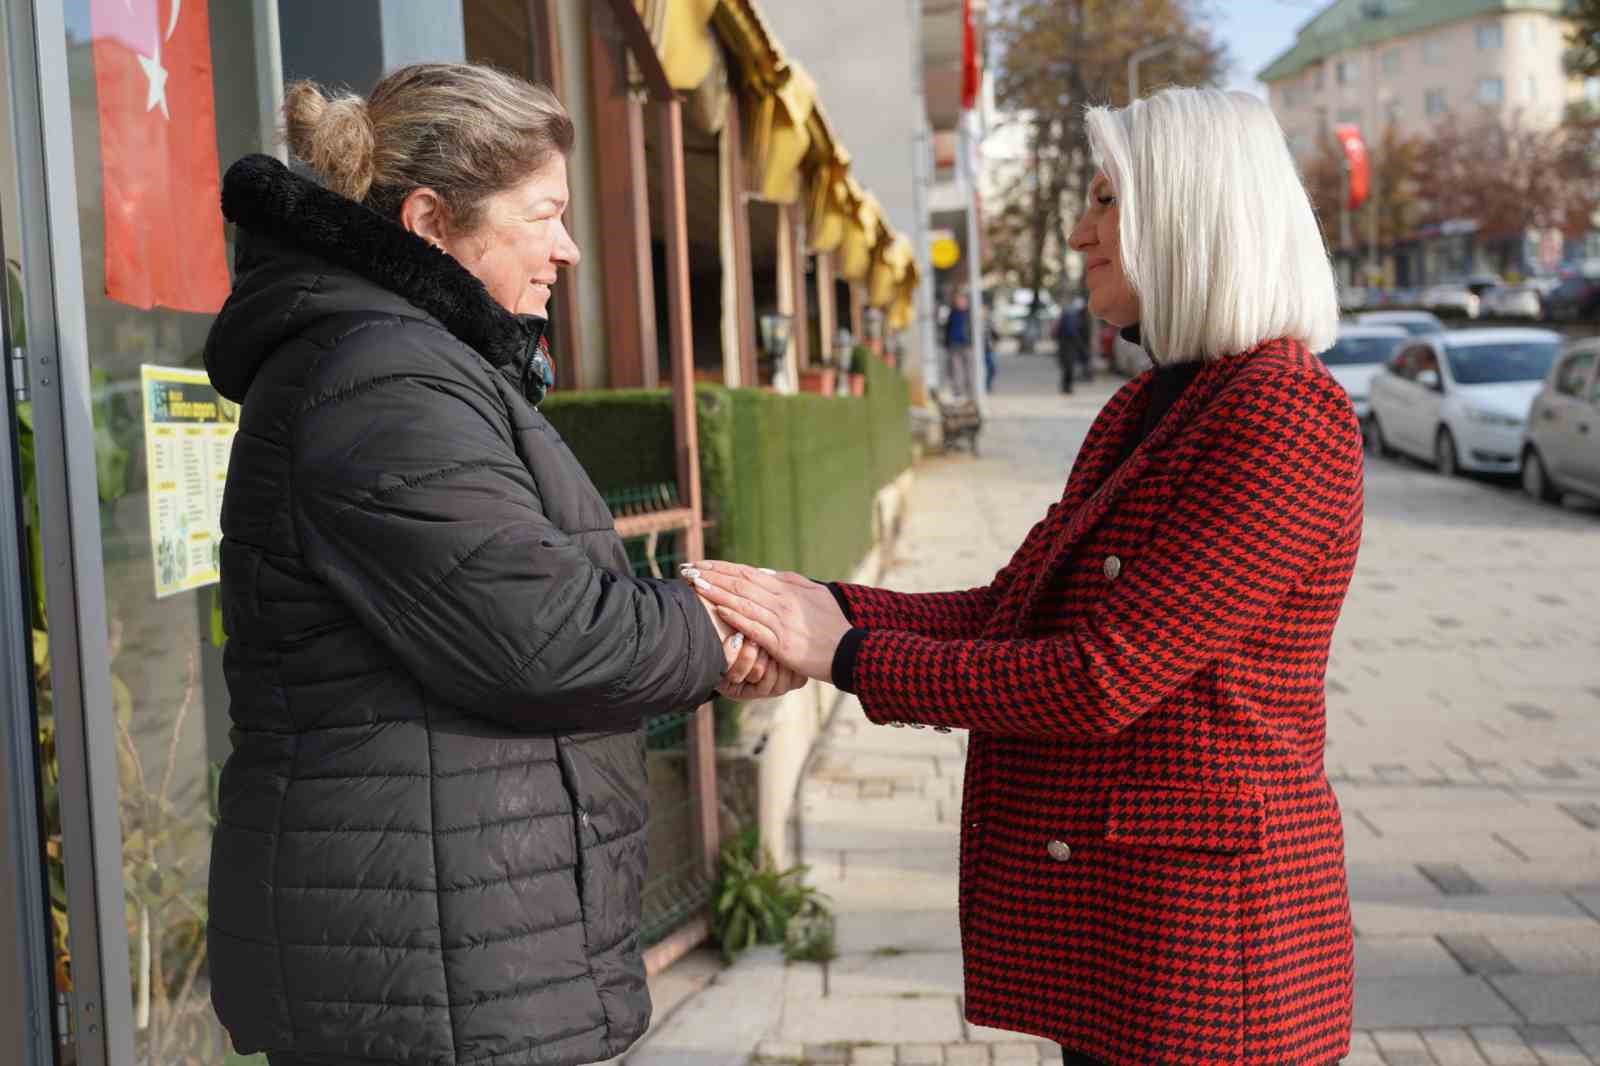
1112	567
1059	850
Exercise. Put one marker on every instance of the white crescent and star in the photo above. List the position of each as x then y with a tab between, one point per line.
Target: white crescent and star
156	74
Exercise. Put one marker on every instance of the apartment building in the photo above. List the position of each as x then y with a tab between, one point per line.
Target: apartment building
1410	63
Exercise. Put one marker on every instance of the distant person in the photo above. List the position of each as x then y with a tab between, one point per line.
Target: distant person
1152	859
1070	348
958	346
431	846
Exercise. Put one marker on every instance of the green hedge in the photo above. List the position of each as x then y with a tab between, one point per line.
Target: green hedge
789	481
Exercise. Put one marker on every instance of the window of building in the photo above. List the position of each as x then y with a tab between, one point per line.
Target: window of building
1350	116
1289	99
1391	60
1531	31
1591	91
1436	103
1316	78
1348	72
1490	35
1391	112
1532	88
1432	51
1491	90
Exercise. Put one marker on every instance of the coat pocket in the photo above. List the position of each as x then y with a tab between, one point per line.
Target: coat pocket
1225	820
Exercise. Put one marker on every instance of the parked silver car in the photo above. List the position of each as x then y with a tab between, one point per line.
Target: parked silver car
1357	357
1413	322
1561	448
1513	301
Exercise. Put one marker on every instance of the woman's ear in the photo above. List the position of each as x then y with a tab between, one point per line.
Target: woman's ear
423	212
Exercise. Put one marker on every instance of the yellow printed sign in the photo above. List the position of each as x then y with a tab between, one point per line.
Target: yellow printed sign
188	436
945	253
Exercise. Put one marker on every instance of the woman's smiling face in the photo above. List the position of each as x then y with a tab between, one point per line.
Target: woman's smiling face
1097	236
521	242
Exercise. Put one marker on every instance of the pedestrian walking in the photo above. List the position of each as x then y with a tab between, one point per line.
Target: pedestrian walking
1069	345
958	346
431	838
1152	860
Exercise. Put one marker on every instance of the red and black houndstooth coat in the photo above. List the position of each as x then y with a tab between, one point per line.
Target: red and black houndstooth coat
1152	862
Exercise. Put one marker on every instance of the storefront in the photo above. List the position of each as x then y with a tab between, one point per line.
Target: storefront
719	208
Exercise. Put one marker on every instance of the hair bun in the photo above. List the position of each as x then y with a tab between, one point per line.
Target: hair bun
332	135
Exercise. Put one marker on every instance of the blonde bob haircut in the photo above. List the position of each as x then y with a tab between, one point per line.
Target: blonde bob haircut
1218	238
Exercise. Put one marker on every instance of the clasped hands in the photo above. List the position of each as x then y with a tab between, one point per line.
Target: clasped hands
790	626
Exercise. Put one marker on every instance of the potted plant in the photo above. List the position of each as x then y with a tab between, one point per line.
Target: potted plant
821	379
857	368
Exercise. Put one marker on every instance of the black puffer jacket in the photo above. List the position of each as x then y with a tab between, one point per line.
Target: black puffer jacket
431	840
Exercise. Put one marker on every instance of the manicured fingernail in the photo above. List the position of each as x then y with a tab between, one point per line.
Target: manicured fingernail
702	584
690	572
764	570
738	642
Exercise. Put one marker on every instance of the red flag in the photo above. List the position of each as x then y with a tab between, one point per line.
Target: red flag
158	154
1356	164
970	67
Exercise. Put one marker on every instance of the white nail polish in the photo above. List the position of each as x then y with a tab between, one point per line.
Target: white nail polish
702	584
764	570
690	572
738	642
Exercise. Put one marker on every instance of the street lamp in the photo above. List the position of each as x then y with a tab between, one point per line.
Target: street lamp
1150	51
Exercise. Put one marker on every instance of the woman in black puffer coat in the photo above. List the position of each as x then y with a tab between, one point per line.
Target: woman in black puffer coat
432	824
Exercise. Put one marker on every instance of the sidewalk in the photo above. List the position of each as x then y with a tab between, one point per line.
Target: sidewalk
1464	740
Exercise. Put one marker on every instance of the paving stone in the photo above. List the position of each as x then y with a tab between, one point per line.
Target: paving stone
1403	956
919	1055
1585	814
1363	1052
1482	915
1451	879
908	930
830	1054
1016	1054
1453	1047
1554	1045
872	1019
1402	1047
893	973
966	1055
1503	1046
875	1055
780	1051
1553	1000
1573	954
1477	955
1429	1002
1587	1038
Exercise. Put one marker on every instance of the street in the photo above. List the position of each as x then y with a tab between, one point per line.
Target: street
1464	741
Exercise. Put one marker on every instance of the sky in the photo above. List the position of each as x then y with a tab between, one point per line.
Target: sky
1256	31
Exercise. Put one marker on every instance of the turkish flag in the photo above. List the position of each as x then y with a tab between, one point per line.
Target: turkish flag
971	68
158	154
1356	163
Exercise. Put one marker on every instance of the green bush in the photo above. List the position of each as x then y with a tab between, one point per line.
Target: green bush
788	481
756	903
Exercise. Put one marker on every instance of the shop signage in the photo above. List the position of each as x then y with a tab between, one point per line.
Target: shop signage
188	436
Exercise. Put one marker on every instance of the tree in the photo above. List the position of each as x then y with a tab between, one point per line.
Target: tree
1509	177
1055	58
1396	174
1585	38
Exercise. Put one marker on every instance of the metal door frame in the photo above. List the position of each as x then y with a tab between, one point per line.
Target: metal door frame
100	1015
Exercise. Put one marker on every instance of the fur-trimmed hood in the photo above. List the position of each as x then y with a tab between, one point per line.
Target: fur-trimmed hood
305	252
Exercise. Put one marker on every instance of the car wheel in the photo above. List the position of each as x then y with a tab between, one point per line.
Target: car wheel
1445	459
1536	481
1376	442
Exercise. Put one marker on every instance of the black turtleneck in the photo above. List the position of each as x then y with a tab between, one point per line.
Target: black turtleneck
1165	389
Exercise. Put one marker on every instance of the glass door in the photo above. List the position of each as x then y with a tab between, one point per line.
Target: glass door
32	907
133	109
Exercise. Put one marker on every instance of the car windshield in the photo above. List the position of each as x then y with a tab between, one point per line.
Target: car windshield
1360	351
1491	364
1418	326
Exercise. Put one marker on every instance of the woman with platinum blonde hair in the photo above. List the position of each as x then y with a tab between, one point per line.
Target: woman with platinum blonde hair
1152	862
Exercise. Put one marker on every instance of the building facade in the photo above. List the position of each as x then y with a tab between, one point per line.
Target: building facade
1407	64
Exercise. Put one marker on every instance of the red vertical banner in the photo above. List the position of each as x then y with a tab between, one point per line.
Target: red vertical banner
971	66
1357	166
158	154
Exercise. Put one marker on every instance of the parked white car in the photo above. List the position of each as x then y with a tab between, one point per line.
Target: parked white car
1561	449
1413	322
1451	300
1358	356
1460	399
1513	301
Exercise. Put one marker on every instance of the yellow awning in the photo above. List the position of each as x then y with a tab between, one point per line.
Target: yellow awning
860	235
904	308
780	137
828	204
889	268
681	32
